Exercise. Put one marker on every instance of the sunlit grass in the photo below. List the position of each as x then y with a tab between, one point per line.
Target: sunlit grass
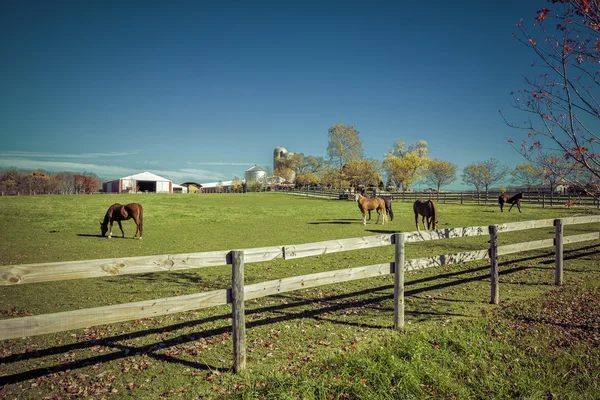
332	340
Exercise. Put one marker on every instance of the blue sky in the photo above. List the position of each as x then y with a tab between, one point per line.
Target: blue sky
201	91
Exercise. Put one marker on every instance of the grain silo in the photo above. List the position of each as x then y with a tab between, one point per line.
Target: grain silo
255	174
281	164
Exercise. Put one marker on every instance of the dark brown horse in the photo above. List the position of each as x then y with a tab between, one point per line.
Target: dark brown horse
506	199
427	209
367	204
119	212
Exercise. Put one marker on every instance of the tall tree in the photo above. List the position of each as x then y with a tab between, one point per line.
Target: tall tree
527	175
562	102
362	172
482	175
344	145
406	166
440	173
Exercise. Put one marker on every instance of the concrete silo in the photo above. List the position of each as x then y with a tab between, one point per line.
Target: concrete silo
281	165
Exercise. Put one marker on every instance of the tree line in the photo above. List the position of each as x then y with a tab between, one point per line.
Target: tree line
14	182
404	165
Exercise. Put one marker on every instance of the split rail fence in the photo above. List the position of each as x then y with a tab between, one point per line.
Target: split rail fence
239	292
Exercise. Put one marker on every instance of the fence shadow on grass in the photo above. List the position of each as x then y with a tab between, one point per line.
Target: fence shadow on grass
336	303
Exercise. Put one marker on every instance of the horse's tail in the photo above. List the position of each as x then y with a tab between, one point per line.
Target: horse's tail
434	220
388	208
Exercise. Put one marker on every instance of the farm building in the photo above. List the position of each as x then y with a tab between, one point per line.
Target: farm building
192	187
217	187
142	182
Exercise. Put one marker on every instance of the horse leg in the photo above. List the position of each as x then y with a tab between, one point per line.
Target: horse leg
122	231
110	231
417	221
511	206
137	227
364	213
519	205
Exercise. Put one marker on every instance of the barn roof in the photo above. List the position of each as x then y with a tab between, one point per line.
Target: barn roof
146	176
256	168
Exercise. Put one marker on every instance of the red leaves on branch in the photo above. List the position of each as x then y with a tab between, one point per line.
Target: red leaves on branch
532	41
542	15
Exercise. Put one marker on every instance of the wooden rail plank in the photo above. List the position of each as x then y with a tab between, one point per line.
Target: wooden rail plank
527	246
581	220
33	273
436	261
519	226
64	321
448	233
283	285
584	237
334	246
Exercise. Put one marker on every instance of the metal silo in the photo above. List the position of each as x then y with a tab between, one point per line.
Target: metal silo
255	174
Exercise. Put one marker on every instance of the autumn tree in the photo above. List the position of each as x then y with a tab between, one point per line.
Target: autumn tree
236	184
482	175
561	102
440	173
362	172
405	166
344	145
527	175
308	169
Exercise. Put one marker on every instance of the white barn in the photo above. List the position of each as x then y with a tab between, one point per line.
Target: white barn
142	182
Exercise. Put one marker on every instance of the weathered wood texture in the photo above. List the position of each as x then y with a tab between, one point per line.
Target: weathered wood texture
34	273
313	280
494	291
238	323
64	321
334	246
399	255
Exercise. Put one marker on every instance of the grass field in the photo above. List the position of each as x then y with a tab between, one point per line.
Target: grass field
334	341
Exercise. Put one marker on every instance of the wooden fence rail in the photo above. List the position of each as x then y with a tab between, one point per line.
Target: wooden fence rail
238	293
538	198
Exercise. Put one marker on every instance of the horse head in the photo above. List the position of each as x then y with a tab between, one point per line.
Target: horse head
103	229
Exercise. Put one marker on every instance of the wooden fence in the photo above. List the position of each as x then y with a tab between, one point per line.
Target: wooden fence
239	292
535	198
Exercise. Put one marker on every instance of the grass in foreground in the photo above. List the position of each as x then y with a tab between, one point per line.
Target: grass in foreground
334	341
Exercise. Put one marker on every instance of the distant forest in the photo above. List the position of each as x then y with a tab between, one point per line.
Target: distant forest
13	182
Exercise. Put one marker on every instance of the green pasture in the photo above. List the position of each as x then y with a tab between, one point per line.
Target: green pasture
333	341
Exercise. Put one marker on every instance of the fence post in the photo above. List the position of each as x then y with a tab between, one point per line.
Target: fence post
558	243
494	263
398	240
461	199
543	200
237	301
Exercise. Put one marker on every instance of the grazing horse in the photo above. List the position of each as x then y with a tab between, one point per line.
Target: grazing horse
506	199
119	212
427	209
388	207
367	204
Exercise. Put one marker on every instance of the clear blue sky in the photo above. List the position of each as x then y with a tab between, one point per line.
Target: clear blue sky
201	91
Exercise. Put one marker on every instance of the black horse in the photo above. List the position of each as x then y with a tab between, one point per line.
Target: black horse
514	200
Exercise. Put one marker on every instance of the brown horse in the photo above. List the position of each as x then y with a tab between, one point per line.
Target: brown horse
367	204
388	205
506	199
427	209
119	212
